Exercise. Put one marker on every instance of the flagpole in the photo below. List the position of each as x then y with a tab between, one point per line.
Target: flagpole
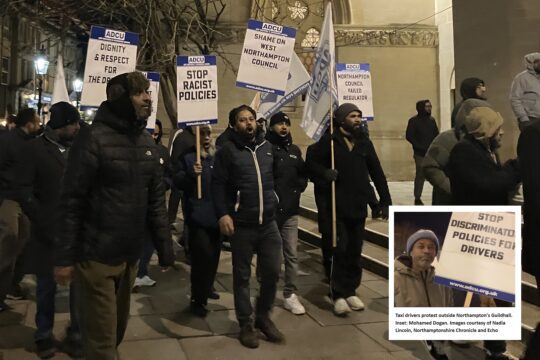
332	159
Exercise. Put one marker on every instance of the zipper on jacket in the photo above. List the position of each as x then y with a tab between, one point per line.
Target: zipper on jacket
259	181
425	288
237	205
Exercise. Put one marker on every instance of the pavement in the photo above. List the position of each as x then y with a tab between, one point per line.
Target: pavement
161	327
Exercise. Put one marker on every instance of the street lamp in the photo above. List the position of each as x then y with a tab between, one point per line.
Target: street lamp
77	86
41	64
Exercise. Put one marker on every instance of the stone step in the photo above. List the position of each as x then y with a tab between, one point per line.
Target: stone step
375	259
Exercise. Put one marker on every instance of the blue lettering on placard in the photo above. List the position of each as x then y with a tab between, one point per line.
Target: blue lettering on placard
352	66
115	35
272	27
196	60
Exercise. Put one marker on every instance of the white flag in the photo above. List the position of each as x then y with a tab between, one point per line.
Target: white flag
322	87
267	104
60	92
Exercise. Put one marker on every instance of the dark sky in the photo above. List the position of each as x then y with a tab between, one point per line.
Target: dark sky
435	221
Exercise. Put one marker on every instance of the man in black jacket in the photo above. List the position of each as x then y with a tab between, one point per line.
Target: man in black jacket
51	151
355	162
421	130
290	178
245	202
16	200
112	192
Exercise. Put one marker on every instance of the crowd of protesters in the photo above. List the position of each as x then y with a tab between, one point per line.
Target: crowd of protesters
87	207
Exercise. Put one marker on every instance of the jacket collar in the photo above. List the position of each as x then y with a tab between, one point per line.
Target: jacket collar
106	116
240	142
283	141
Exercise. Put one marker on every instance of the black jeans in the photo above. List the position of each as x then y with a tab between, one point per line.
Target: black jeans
325	228
347	264
205	251
264	240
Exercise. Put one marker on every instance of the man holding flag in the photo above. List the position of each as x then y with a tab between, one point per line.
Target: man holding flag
341	174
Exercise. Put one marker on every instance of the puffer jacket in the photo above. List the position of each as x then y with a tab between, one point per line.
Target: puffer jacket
243	181
112	195
290	175
413	289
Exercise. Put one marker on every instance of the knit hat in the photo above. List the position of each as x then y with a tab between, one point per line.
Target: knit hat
483	122
279	117
120	89
420	235
342	111
466	107
63	114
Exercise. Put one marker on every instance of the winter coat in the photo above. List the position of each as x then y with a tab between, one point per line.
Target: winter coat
421	130
413	289
434	166
113	193
17	170
476	178
198	211
243	181
528	150
354	167
183	140
224	137
50	163
166	166
290	175
525	91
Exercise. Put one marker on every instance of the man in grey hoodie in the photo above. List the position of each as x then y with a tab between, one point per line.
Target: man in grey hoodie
525	92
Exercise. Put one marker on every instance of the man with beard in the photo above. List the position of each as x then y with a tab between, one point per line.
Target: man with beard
355	162
290	181
478	178
525	92
16	200
51	151
421	130
245	203
112	194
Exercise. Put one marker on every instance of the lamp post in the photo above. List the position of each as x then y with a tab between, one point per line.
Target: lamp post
41	64
77	86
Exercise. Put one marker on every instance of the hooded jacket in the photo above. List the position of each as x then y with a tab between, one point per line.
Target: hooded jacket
243	181
413	289
421	129
112	195
290	175
525	91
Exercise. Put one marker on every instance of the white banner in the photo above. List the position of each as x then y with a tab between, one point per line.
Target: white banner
60	92
266	57
354	86
110	53
153	77
267	104
197	90
322	87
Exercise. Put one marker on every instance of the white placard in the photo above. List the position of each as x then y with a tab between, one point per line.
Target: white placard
110	53
354	86
266	57
153	77
197	90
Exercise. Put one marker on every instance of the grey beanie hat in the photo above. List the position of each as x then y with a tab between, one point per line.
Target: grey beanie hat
422	234
343	110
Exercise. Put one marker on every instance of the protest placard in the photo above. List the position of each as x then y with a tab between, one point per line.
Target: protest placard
153	77
197	90
110	53
484	246
354	86
266	57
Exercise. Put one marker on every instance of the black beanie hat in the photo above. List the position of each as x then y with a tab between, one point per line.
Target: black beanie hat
119	90
279	117
342	111
63	114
